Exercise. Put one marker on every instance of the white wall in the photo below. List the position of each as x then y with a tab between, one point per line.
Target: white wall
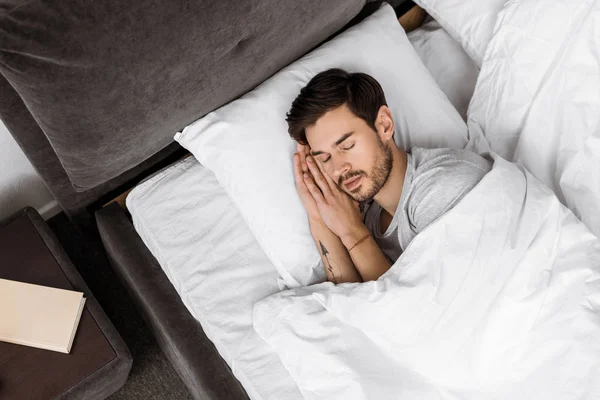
20	185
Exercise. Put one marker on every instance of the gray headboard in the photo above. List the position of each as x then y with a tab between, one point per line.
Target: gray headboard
93	91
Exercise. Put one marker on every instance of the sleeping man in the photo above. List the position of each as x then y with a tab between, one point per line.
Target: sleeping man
365	197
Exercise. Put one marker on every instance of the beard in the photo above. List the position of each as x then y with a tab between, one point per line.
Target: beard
380	172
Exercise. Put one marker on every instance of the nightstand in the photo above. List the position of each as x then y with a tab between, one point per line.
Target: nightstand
99	361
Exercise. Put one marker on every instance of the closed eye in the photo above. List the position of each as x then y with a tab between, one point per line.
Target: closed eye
343	148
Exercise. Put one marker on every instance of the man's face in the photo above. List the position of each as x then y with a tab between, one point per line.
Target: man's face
352	153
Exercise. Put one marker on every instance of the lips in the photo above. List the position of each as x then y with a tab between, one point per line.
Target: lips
352	182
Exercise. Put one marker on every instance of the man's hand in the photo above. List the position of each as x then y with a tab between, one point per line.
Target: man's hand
300	168
337	209
334	255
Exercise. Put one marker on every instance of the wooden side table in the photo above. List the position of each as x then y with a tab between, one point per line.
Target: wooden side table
99	361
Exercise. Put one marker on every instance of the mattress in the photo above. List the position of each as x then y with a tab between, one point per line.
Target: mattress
453	70
192	228
189	224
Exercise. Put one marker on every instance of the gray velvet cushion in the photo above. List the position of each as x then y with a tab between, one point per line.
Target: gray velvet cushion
110	82
179	334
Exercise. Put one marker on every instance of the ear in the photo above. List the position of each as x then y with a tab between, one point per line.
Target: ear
385	123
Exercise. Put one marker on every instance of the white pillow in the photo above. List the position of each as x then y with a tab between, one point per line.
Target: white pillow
451	67
469	22
247	146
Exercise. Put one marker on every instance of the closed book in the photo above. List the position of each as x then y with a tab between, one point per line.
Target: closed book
39	316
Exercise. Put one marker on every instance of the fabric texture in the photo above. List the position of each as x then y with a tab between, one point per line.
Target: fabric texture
153	372
498	299
215	264
537	100
246	143
37	148
177	332
108	83
470	22
453	70
435	181
108	379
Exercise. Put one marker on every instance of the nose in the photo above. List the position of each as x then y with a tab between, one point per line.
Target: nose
340	168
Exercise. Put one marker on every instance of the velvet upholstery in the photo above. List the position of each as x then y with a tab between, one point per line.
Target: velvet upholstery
110	378
109	83
36	147
92	91
179	334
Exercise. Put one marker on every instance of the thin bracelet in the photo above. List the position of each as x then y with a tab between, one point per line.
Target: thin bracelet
359	241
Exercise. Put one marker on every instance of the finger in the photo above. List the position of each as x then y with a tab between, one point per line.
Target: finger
313	189
332	185
301	187
318	176
302	153
298	170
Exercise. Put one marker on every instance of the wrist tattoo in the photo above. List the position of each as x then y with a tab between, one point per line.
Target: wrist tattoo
324	254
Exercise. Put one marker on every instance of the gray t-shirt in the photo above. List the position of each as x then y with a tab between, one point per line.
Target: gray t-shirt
435	181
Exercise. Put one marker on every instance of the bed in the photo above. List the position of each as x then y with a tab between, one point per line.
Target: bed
194	277
77	58
216	265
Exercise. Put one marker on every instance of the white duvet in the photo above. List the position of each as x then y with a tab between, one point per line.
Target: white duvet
537	99
497	299
500	297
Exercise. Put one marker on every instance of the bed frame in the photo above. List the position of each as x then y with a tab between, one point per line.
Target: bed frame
86	191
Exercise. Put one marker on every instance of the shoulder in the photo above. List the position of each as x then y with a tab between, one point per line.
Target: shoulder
442	159
441	178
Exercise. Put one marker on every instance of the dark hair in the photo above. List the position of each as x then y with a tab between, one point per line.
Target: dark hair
329	90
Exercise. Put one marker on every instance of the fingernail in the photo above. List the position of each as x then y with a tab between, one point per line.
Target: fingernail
306	175
309	159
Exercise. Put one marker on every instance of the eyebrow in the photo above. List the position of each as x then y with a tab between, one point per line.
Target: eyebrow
337	143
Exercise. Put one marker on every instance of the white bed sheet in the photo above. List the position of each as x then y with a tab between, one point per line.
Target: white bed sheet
451	67
212	259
